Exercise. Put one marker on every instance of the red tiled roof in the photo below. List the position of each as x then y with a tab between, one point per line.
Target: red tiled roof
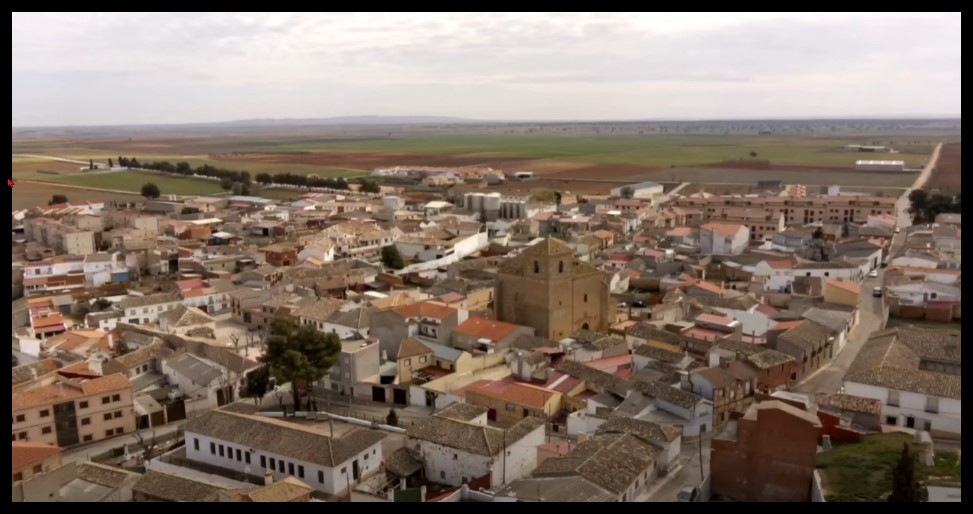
786	325
482	328
28	453
781	264
715	319
516	392
426	309
610	362
723	229
47	321
47	394
411	347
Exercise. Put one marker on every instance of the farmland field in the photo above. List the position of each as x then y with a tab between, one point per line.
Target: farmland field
31	194
946	176
133	181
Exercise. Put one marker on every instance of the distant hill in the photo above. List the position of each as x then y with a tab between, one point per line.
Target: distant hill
339	120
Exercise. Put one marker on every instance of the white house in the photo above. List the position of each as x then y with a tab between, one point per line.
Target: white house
142	310
205	384
98	268
640	190
723	238
423	248
318	251
920	293
253	444
780	274
915	373
457	446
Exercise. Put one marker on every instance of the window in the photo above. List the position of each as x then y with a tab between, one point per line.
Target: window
344	470
119	430
455	457
239	455
273	463
263	461
422	359
246	457
18	477
511	407
85	421
118	414
586	297
222	450
20	418
365	457
45	413
87	438
442	475
290	468
321	476
107	416
116	398
408	362
105	400
22	436
46	430
300	472
212	448
560	267
196	443
83	405
893	399
891	420
932	404
281	466
537	267
109	433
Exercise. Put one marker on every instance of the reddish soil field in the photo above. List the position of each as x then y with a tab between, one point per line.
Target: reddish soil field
368	160
26	194
946	176
768	166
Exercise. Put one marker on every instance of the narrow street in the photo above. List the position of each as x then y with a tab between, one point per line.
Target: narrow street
688	476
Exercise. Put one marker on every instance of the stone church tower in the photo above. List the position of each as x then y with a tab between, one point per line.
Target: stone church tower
545	287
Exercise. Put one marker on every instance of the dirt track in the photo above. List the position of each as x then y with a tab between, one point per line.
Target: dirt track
946	175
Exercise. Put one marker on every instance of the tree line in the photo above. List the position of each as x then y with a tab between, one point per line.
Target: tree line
925	206
229	177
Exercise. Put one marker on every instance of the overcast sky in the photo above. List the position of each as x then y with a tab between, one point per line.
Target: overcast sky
119	68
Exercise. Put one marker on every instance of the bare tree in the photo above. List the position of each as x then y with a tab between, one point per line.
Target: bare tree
147	445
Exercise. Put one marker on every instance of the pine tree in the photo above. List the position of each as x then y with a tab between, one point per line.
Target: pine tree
905	486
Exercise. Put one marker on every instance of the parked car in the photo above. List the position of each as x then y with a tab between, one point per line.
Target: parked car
873	273
877	292
897	230
639	304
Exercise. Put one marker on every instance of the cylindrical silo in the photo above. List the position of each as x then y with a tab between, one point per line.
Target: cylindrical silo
491	206
392	203
477	203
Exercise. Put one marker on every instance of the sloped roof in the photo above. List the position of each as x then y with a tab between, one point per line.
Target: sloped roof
411	347
27	453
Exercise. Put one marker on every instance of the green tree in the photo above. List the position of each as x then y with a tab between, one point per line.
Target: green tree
258	382
111	163
753	155
392	419
818	233
627	192
391	257
905	485
299	353
101	304
226	183
58	200
121	348
370	186
150	191
91	164
183	168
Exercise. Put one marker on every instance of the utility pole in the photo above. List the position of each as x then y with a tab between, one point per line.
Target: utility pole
702	476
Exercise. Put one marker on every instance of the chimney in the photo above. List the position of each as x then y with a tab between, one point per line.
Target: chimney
268	477
826	442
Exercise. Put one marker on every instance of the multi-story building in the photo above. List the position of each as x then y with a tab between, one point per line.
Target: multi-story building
796	210
65	411
361	240
548	288
60	236
359	360
146	309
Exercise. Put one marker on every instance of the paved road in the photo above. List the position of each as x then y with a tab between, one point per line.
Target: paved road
829	379
688	476
85	453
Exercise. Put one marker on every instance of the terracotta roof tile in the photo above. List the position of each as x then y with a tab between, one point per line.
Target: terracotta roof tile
27	453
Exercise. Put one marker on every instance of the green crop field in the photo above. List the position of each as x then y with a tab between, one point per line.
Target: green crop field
133	181
661	151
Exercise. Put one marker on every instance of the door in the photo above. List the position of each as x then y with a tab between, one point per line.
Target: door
400	396
356	472
492	414
378	394
910	422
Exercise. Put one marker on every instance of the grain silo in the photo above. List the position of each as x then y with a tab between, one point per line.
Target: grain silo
491	206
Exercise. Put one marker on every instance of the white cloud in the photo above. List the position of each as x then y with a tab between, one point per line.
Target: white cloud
169	67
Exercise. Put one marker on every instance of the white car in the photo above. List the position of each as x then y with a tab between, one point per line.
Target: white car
873	273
